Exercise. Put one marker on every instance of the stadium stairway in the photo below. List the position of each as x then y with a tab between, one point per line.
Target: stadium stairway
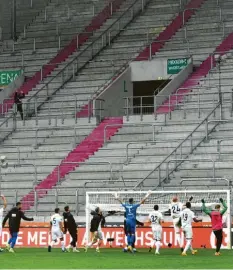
170	30
35	80
81	153
97	74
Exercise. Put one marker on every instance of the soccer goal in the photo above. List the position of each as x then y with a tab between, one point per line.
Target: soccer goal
107	202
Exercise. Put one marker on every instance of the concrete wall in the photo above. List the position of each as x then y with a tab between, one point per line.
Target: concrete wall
174	84
115	93
149	70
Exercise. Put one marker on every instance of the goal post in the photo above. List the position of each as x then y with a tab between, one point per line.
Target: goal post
106	201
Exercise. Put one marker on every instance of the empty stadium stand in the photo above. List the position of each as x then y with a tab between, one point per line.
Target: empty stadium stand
56	155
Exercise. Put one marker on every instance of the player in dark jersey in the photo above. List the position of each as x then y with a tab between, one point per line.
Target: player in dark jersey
70	226
97	223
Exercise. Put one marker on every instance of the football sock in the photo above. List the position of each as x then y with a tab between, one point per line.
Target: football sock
188	244
132	239
178	239
14	239
157	244
10	241
52	243
129	240
90	244
62	245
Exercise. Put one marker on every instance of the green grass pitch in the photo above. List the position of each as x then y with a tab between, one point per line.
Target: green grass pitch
29	258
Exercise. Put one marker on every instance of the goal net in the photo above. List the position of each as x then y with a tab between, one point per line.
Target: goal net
106	201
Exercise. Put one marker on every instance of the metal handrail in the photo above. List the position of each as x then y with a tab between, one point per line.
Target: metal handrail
219	142
125	125
197	93
213	121
154	142
106	181
12	147
175	150
23	165
183	14
90	46
206	179
85	163
192	160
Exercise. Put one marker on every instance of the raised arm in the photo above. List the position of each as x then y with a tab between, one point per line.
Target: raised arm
204	209
4	201
6	218
147	195
117	198
222	212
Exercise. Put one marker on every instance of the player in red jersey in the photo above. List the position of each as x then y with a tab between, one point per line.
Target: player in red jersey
216	221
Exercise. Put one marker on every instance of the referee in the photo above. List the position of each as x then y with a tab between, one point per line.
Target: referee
216	221
70	225
14	216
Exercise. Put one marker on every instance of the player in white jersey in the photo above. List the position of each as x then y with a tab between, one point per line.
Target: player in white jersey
187	217
56	230
1	215
176	207
156	218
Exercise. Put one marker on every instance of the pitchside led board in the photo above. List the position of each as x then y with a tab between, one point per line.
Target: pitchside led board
174	66
8	76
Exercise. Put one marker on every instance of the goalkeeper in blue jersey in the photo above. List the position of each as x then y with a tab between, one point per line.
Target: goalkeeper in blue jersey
130	213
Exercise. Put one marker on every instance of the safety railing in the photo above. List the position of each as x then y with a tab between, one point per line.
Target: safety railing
138	145
203	180
63	108
127	125
177	160
89	163
36	138
94	183
195	98
217	121
21	165
8	122
94	48
156	172
17	151
71	196
219	146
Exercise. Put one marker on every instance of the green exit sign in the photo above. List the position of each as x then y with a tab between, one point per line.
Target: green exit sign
8	76
174	66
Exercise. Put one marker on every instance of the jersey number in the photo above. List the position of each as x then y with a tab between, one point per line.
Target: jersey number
54	221
175	209
185	217
154	219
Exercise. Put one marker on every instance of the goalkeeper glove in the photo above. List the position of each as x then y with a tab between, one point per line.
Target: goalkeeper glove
221	200
203	201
